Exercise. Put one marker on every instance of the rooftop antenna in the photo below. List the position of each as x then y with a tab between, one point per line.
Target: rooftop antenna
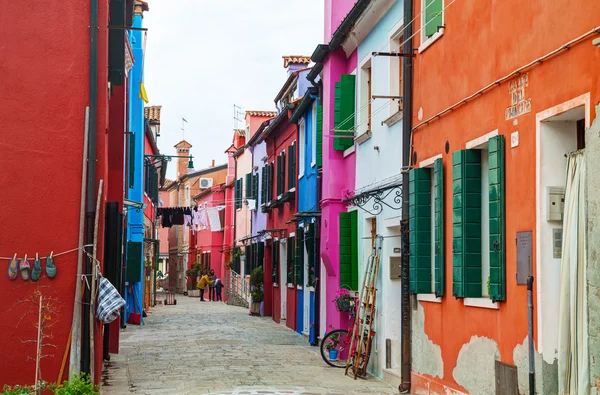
237	111
183	122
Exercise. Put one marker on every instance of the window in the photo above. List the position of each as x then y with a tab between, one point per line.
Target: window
344	109
397	71
311	251
365	100
426	273
238	193
432	21
313	136
280	173
248	186
291	255
292	171
299	257
301	147
478	221
275	261
349	250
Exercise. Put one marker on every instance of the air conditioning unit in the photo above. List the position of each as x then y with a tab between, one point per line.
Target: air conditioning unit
206	183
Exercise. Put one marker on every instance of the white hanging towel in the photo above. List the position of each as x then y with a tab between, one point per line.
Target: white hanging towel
251	204
200	220
213	218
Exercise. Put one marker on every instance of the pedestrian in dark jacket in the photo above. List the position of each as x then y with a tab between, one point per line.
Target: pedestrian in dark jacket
211	288
219	288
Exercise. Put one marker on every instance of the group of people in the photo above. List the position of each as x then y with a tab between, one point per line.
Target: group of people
214	284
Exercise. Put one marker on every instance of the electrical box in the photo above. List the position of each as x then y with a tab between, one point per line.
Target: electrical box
556	203
395	268
557	243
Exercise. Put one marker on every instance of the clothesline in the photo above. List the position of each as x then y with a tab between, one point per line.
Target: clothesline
54	255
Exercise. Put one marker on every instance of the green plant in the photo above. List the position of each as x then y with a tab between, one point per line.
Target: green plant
332	341
18	390
194	271
256	284
80	385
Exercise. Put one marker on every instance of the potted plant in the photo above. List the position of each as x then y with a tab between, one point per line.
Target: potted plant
193	276
343	300
331	346
256	290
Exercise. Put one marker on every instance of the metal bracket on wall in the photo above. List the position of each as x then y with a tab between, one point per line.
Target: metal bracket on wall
398	54
377	199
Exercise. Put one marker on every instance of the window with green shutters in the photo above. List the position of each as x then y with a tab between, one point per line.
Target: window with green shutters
438	198
238	193
134	262
291	254
299	257
466	223
433	16
271	177
344	111
419	209
309	240
319	135
235	260
281	173
260	255
292	175
349	250
249	263
263	185
497	280
249	186
255	187
275	261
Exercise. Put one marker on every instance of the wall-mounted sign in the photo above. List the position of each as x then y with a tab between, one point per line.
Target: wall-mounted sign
518	104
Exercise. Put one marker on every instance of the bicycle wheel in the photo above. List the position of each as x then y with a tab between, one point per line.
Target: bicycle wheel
336	340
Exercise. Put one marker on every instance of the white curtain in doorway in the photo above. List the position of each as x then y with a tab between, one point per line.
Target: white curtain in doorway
573	363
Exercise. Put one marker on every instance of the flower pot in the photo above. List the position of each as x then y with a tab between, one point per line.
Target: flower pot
255	308
343	304
333	355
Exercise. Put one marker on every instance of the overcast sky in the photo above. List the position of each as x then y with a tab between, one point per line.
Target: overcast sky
204	56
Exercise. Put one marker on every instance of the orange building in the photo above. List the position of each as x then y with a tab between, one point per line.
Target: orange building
502	91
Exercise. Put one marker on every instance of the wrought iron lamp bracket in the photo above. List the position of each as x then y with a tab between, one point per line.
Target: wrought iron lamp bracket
373	202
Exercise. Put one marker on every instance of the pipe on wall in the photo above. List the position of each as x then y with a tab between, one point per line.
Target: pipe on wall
406	149
91	180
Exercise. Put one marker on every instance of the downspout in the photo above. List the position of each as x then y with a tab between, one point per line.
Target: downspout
406	150
91	180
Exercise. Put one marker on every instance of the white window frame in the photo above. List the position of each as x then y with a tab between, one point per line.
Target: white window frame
430	297
362	107
301	147
481	143
313	137
395	39
427	42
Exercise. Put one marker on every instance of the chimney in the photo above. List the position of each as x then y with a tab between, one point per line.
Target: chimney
293	62
213	163
183	149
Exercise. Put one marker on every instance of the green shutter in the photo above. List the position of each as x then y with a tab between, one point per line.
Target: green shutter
260	255
249	186
419	211
349	250
319	141
497	215
248	263
275	261
255	187
345	98
433	18
290	260
134	262
466	223
131	159
291	166
279	173
310	251
270	182
438	196
263	185
299	259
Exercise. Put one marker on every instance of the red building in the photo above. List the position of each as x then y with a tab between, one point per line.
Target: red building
280	137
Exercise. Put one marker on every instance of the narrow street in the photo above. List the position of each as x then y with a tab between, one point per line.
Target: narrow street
213	348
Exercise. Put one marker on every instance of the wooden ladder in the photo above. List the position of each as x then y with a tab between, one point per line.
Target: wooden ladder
362	330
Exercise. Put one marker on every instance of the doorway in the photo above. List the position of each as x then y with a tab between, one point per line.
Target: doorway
283	277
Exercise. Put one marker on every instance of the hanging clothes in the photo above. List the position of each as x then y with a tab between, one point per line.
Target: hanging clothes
213	219
177	217
200	220
573	352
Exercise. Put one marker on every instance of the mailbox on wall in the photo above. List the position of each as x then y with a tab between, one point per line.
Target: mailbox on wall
556	203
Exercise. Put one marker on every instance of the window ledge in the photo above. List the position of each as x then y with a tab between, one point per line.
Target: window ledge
394	118
290	285
481	302
349	151
292	190
363	137
301	176
427	43
313	164
429	298
276	284
299	287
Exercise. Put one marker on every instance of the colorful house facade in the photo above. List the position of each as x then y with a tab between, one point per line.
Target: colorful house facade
493	130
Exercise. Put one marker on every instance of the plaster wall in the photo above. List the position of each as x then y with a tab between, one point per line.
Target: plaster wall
259	219
243	225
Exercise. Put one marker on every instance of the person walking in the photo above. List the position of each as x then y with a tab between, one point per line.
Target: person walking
211	287
204	281
219	288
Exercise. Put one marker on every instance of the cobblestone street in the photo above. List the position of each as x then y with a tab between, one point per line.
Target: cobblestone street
212	348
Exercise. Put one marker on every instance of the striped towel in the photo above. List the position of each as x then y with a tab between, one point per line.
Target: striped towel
109	302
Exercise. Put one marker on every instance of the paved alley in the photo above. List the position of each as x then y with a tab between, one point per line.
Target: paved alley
212	348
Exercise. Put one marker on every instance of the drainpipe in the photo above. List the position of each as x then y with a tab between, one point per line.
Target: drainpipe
91	180
406	150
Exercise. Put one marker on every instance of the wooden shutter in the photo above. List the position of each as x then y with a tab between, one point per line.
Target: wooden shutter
263	185
249	186
134	262
282	175
299	258
255	187
291	166
279	172
260	255
419	208
466	223
438	196
497	218
433	19
290	260
344	109
248	263
309	239
349	250
275	261
319	141
271	176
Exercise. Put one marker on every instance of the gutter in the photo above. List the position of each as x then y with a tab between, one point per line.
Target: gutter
405	333
307	100
277	120
91	183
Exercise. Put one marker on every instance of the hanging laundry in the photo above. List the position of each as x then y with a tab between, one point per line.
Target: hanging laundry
251	204
109	302
187	220
200	219
213	218
177	217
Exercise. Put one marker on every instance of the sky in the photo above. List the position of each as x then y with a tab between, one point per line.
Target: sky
204	56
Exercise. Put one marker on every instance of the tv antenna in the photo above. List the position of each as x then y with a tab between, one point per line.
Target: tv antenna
183	122
237	113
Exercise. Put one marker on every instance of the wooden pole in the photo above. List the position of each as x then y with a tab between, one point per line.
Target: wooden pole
64	362
93	285
75	355
38	355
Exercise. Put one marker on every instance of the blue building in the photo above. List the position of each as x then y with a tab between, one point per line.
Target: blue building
135	173
308	116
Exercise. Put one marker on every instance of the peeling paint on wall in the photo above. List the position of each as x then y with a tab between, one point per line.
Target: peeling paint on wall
475	366
429	358
546	375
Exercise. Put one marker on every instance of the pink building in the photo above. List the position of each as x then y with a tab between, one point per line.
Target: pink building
207	244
